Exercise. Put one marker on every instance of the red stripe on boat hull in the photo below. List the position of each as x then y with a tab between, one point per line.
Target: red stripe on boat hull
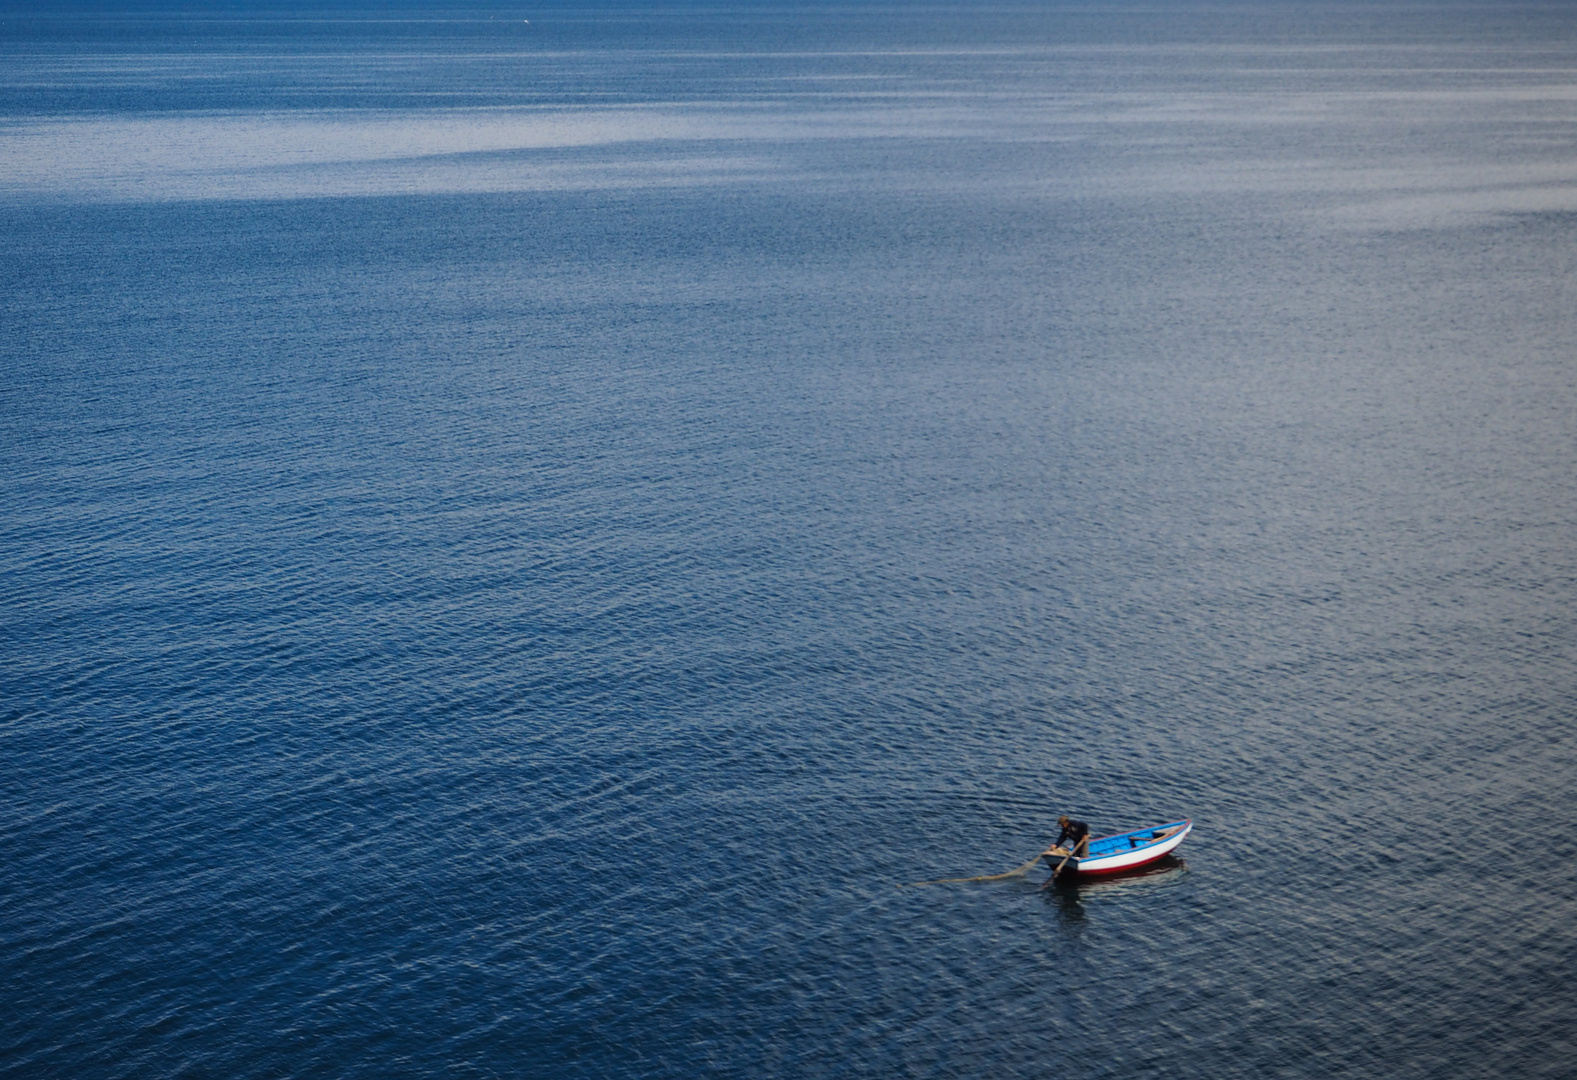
1128	869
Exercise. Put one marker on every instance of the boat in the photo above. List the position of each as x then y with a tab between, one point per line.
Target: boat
1122	852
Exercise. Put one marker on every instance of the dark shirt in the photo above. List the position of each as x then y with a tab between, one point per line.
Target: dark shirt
1073	830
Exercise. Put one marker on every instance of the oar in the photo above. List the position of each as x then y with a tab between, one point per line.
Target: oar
1060	865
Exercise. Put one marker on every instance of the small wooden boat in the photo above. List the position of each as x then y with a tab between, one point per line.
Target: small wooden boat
1123	852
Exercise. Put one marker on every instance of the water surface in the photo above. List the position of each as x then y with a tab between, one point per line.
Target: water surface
516	537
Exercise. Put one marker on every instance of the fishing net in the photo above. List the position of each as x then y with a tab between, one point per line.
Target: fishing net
1017	871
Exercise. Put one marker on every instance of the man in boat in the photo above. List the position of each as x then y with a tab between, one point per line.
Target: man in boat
1075	833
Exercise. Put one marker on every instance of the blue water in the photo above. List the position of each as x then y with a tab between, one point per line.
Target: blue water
517	537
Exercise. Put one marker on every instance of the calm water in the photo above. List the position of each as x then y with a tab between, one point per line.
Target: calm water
515	537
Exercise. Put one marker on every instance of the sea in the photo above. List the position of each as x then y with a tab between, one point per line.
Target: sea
525	528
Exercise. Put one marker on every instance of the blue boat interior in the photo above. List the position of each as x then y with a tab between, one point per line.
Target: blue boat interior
1116	845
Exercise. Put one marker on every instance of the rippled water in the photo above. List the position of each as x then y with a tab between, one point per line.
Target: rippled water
515	537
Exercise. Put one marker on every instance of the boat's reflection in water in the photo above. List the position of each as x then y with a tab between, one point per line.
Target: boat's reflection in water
1070	893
